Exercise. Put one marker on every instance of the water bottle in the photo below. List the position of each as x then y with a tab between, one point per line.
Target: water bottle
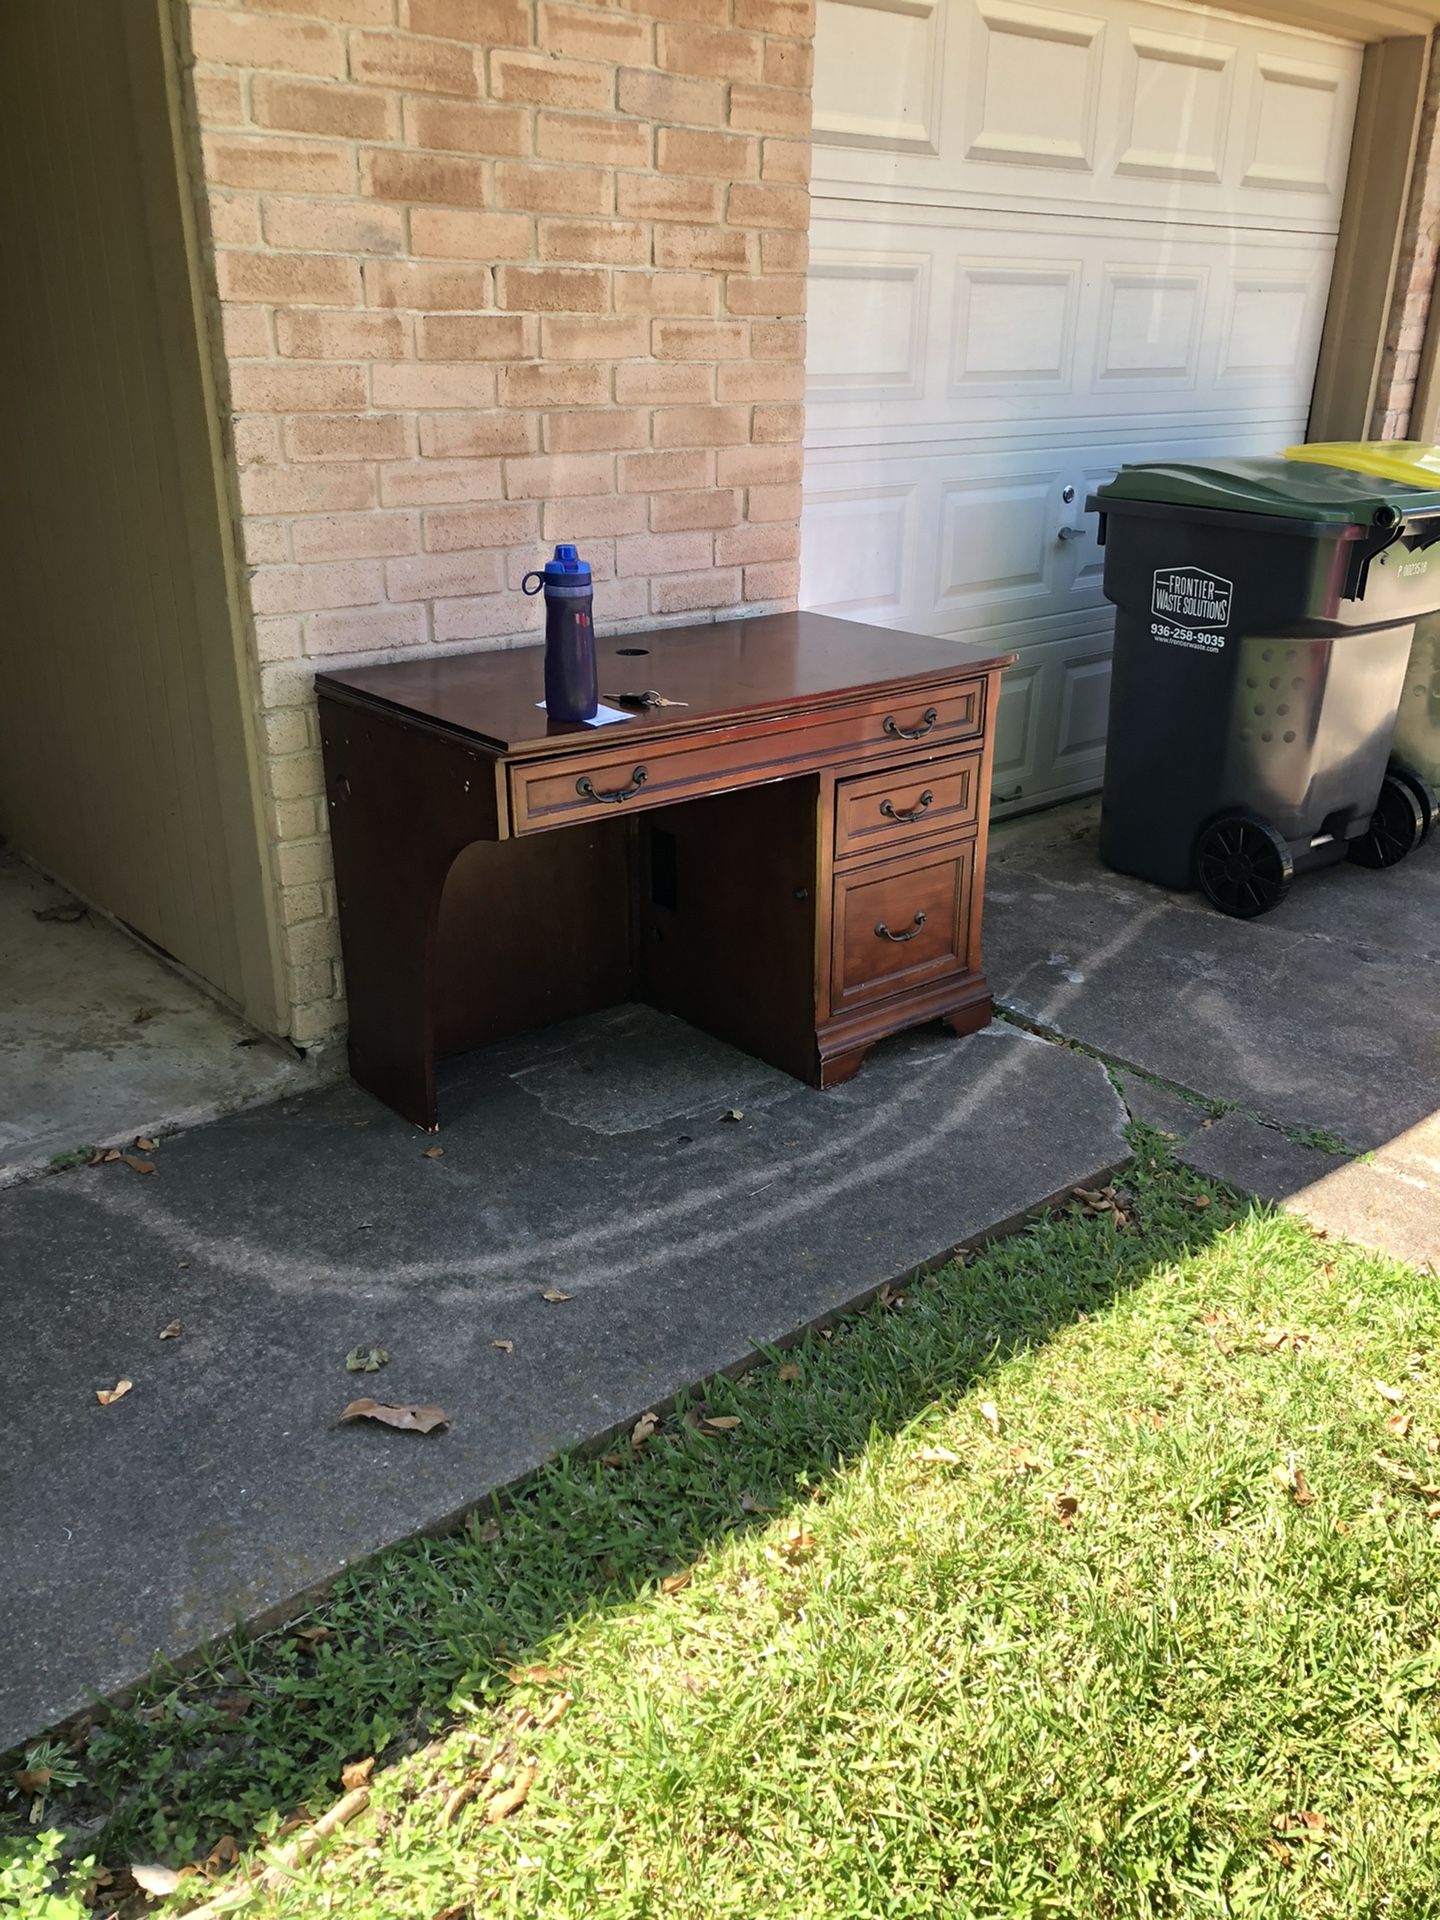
571	688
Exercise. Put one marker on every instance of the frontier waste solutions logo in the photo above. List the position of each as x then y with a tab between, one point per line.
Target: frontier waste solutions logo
1187	604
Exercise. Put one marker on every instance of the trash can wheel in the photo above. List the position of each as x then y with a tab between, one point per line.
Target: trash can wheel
1243	866
1397	826
1423	792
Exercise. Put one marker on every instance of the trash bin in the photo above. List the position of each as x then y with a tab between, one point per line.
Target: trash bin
1417	724
1265	613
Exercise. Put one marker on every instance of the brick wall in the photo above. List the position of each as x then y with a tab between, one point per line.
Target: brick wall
490	273
1415	277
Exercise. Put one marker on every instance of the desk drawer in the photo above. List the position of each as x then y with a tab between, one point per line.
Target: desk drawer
633	773
906	804
902	925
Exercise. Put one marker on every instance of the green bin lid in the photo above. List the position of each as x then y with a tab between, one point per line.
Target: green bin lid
1289	489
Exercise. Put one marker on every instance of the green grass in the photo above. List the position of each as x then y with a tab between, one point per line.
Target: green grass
1095	1667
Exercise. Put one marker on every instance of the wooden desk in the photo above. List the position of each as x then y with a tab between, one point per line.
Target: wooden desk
792	861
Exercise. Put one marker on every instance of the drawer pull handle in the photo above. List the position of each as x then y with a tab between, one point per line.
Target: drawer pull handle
896	732
585	787
914	812
882	932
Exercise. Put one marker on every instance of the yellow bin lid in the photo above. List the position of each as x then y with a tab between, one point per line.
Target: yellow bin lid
1410	461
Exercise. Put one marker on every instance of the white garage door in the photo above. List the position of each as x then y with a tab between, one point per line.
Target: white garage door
1046	240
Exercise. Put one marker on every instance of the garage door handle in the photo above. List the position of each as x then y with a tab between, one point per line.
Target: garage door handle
882	932
1071	533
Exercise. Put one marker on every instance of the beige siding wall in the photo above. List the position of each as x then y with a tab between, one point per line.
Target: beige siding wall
492	273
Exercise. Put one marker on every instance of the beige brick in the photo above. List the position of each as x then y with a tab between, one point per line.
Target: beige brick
295	776
422	288
544	80
759	466
709	53
592	519
489	617
788	63
280	166
346	436
307	863
712	13
278	639
569	190
444	576
341	336
766	295
480	23
455	126
297	818
776	424
614	337
356	536
447	233
368	632
764	380
456	528
552	289
716	249
658	96
417	66
778	339
769	110
218	99
286	686
348	583
310	984
607	429
648	197
345	113
793	17
496	336
773	541
439	483
559	476
245	333
702	426
695	294
612	242
317	280
696	592
587	34
350	13
711	156
784	252
311	1024
477	436
779	580
663	552
296	389
425	179
542	384
286	732
581	140
751	204
230	39
337	225
266	543
679	472
699	339
234	220
429	384
300	490
785	160
256	442
711	507
664	384
620	600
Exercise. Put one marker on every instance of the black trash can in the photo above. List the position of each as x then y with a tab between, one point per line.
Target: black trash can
1265	613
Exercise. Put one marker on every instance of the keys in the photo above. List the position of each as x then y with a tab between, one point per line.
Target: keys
649	698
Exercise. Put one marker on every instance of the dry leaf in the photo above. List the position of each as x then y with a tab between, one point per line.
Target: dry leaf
144	1145
734	1113
102	1156
795	1547
365	1359
938	1457
990	1414
1302	1822
643	1428
555	1297
1281	1339
1199	1201
136	1164
223	1855
1399	1424
433	1153
156	1880
313	1634
505	1346
64	914
889	1299
141	1015
412	1419
1067	1505
1022	1460
1393	1394
614	1460
720	1422
536	1676
33	1779
357	1773
788	1374
675	1582
171	1330
486	1531
514	1796
556	1710
107	1396
1292	1477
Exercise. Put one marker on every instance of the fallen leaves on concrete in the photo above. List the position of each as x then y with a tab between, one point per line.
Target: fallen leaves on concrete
555	1297
107	1396
171	1330
365	1359
412	1419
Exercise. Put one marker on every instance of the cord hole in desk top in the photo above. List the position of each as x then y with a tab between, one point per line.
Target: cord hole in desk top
631	653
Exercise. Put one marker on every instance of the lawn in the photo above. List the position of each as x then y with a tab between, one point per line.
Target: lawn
1094	1577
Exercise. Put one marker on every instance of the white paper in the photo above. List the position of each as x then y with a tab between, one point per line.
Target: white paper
604	716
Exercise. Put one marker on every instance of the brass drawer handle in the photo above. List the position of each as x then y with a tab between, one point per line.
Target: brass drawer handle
882	932
914	813
585	788
927	720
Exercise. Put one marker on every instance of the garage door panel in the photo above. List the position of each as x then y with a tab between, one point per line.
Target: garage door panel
880	72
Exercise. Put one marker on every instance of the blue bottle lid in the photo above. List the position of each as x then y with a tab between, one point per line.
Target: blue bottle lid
566	565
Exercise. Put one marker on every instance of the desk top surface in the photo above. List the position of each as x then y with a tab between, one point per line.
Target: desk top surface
723	670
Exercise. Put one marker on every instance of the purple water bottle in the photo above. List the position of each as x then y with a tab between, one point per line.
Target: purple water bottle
571	689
